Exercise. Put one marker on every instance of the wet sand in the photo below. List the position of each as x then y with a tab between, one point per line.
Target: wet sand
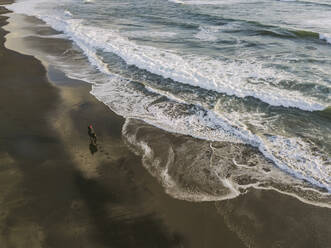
55	193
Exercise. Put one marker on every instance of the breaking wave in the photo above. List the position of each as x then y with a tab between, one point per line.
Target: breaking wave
290	165
239	78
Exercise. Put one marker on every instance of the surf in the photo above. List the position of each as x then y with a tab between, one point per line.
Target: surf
137	91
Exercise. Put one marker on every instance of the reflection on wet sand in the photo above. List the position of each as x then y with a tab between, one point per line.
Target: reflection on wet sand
93	148
54	193
260	218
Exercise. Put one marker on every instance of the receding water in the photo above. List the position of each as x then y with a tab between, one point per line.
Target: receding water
252	76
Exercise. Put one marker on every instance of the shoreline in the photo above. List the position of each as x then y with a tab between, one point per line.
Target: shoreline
84	200
308	186
110	199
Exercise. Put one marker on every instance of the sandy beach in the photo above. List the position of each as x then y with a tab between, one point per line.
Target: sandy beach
56	191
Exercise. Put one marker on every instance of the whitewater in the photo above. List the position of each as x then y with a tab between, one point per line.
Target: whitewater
224	72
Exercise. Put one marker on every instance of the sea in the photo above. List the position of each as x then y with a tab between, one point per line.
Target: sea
248	80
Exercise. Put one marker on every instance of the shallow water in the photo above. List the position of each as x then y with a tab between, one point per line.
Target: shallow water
239	75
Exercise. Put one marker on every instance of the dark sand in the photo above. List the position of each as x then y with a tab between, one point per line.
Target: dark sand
55	193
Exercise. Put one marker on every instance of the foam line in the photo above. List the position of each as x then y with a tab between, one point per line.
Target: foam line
292	155
211	74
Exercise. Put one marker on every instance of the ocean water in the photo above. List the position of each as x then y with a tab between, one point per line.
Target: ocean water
249	80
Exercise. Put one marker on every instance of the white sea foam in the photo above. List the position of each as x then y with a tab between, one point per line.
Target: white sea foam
230	78
214	179
68	13
177	1
207	33
289	154
239	78
325	37
149	34
322	24
292	155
